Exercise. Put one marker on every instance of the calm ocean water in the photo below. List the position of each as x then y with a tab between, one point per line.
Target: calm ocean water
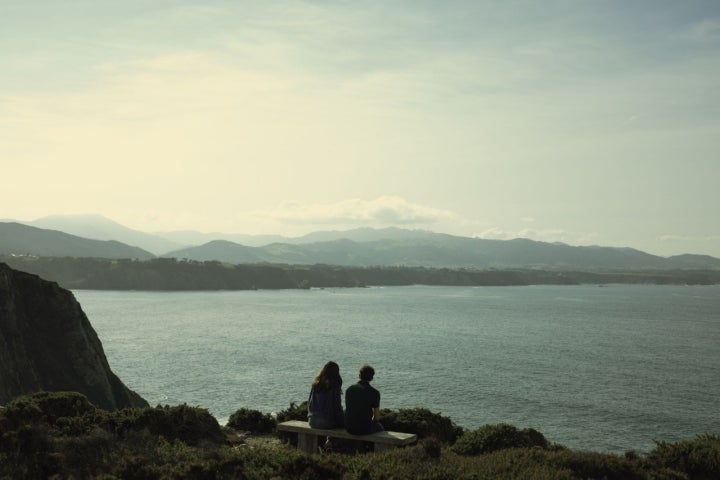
597	368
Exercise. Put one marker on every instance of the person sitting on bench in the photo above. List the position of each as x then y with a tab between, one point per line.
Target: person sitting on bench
362	405
324	404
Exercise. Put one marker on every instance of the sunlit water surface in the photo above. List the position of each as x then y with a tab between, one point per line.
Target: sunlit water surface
596	368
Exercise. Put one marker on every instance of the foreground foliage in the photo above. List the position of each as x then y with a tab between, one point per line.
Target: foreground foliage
253	421
62	435
423	423
490	438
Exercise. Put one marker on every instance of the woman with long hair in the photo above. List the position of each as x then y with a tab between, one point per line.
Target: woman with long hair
325	405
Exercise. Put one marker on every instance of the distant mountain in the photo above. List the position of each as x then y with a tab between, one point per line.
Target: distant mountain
427	249
357	247
363	235
220	250
194	238
191	237
690	261
97	227
19	239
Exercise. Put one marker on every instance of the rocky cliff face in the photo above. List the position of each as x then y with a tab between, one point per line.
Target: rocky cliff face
47	343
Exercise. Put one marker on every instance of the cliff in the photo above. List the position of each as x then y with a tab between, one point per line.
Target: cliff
47	343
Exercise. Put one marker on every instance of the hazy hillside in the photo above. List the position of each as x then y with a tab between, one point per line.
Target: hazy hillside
192	237
358	247
220	250
97	227
396	246
19	239
439	250
365	235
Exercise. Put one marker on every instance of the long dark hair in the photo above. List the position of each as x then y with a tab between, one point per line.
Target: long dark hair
327	378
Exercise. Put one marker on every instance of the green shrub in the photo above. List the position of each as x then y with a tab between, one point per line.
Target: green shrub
500	436
83	455
599	465
304	466
432	447
26	452
191	425
254	421
421	422
45	407
699	458
293	412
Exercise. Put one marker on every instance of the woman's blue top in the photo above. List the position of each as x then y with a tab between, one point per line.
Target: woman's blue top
325	408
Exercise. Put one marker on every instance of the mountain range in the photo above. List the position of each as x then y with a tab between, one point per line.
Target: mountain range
97	236
20	239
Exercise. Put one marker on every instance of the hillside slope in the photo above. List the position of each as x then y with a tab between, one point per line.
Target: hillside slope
428	249
97	227
19	239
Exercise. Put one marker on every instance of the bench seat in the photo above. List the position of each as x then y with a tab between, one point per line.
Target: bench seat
307	436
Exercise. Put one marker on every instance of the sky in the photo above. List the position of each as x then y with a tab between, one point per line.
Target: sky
575	121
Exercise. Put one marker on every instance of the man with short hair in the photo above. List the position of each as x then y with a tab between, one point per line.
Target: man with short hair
362	405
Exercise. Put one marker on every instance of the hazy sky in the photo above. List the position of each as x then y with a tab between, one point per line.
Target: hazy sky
586	122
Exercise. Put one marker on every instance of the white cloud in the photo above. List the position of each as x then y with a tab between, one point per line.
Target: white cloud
706	30
382	211
495	233
543	235
685	238
673	244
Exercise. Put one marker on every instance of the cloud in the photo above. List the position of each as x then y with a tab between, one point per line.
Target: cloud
543	235
384	211
706	30
676	244
685	238
495	233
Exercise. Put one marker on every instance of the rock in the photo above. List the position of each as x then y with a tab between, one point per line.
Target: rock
47	343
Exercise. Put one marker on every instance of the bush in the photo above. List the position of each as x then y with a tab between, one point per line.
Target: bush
293	412
190	425
599	465
25	452
698	458
421	422
251	420
45	407
501	436
431	447
84	454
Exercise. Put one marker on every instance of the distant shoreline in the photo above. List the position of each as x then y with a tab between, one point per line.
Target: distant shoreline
180	275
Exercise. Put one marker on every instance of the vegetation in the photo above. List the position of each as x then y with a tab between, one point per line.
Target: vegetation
253	421
490	438
62	435
699	458
293	412
173	274
423	423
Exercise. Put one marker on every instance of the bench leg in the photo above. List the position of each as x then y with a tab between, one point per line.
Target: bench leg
308	443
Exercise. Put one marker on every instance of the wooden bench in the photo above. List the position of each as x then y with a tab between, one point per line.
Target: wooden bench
308	437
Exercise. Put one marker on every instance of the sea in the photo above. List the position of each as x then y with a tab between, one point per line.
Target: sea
603	368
